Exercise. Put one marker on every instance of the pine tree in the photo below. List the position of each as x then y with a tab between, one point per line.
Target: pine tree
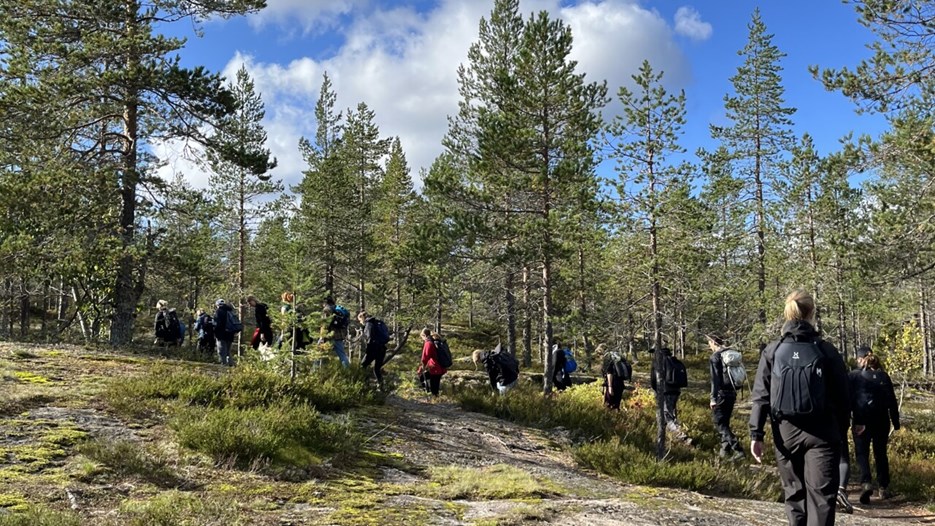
239	162
758	136
643	142
105	86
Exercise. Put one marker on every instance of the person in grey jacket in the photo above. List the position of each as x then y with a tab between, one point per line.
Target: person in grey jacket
801	387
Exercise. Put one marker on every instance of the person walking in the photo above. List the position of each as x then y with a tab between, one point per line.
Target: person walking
430	371
264	324
561	379
335	320
375	336
723	397
616	370
874	407
671	390
502	370
204	327
225	329
801	387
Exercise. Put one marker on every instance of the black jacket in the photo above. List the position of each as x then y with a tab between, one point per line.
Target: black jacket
497	372
660	357
263	321
720	386
835	420
221	330
873	399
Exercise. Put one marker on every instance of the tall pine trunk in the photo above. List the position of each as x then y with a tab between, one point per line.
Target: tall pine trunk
510	312
527	320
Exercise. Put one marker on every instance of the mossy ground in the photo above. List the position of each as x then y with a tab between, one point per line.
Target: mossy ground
125	438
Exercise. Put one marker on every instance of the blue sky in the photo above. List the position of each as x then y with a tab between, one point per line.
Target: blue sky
400	57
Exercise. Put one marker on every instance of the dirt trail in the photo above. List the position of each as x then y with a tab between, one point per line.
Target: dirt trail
428	433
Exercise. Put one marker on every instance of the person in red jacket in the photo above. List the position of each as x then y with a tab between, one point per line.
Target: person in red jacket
430	372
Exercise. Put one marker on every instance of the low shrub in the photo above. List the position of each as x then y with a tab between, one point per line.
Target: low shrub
488	483
622	443
282	433
131	458
177	508
39	516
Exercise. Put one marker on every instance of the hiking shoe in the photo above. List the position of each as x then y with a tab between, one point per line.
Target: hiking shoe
885	494
845	504
865	492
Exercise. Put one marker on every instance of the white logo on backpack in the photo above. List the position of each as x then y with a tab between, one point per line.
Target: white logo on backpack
733	366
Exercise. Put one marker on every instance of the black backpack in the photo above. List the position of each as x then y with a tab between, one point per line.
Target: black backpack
233	325
797	387
340	319
443	353
173	327
379	333
621	367
676	376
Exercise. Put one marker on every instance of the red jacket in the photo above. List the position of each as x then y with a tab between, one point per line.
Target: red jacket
430	358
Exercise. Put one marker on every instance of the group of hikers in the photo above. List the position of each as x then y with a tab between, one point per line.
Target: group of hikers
801	387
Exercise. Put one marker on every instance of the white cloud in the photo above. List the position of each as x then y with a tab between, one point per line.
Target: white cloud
306	15
403	64
688	23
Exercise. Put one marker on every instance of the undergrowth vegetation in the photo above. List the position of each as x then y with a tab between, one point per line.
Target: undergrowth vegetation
250	415
622	444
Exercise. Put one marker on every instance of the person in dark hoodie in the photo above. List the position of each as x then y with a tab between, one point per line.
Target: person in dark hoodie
502	370
874	406
560	378
264	324
223	331
801	387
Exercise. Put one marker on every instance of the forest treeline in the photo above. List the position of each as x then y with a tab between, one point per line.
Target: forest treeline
515	232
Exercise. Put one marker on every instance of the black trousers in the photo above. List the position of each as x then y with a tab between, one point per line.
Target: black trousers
878	436
612	401
844	464
721	414
375	354
808	469
671	401
430	382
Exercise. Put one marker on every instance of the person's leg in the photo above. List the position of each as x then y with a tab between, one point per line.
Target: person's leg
791	467
378	358
862	454
821	483
880	437
721	416
224	349
338	347
435	381
844	474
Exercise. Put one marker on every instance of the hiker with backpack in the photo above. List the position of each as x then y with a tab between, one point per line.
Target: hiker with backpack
226	327
727	375
264	324
669	375
167	327
801	387
502	370
335	320
563	364
616	371
296	332
436	359
204	327
375	336
874	406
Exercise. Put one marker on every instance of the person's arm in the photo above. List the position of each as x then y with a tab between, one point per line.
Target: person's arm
760	395
365	333
837	385
893	402
716	368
